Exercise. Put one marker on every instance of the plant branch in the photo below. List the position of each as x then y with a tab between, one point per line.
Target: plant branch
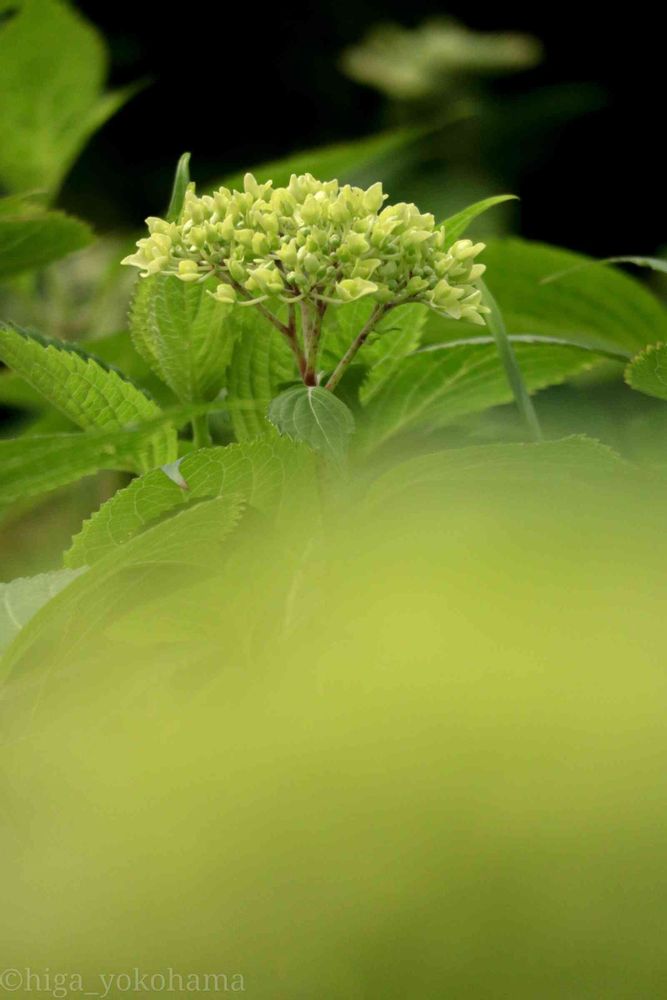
288	330
378	312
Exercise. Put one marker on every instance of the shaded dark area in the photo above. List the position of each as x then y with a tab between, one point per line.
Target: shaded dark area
238	84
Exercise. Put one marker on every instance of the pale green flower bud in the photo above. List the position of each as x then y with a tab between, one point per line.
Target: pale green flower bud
374	198
310	263
288	254
266	280
354	288
244	237
356	244
225	294
188	270
365	268
463	249
259	244
317	242
416	285
250	186
197	237
225	228
311	210
238	271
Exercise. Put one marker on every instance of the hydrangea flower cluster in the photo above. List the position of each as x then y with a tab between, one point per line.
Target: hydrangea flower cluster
316	243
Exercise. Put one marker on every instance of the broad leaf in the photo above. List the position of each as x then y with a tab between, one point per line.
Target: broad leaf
21	599
399	335
190	538
31	237
651	263
258	471
342	160
184	334
53	65
456	225
32	465
600	306
432	389
261	364
577	458
88	393
647	372
316	417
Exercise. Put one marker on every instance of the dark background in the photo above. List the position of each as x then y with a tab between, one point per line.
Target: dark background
239	83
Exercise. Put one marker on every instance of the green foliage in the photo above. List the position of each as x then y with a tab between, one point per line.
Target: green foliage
89	394
599	306
651	263
258	471
184	335
316	417
22	598
496	324
397	336
433	388
647	372
38	464
53	66
577	458
181	181
456	225
261	363
344	160
31	236
192	537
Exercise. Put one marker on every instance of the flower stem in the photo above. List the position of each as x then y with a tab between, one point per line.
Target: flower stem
201	432
311	325
355	346
496	325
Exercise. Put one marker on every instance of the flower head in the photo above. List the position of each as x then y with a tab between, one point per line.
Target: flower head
314	241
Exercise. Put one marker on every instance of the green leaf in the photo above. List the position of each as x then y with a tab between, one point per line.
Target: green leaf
39	464
261	364
342	160
184	334
21	599
193	537
647	372
430	390
600	306
398	335
496	324
258	471
89	394
181	181
652	263
577	457
16	394
316	417
614	354
52	69
456	225
31	237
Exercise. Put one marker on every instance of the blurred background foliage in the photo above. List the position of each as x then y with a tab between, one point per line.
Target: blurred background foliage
431	764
